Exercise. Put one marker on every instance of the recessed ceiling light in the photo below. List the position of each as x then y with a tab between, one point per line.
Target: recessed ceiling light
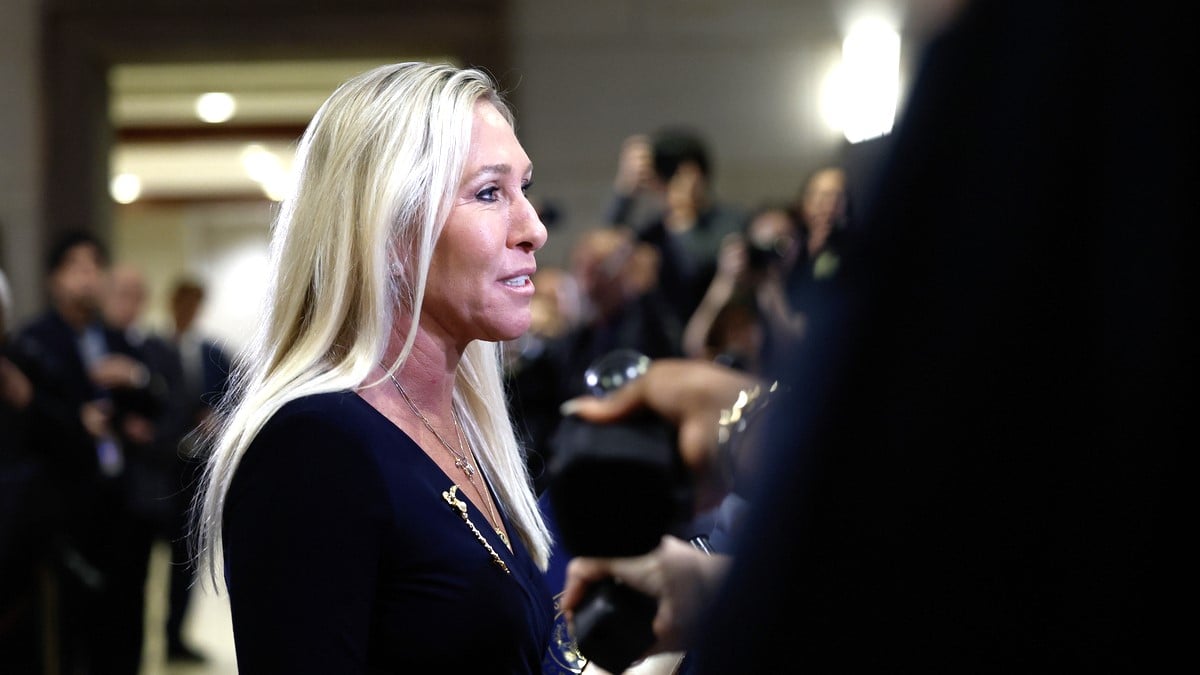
259	163
215	107
125	188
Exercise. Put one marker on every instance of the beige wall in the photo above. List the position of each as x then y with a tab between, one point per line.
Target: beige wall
224	246
154	241
741	73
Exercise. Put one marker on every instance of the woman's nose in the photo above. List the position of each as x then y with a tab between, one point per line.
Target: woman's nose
528	232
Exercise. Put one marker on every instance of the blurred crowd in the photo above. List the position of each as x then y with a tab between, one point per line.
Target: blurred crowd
100	412
674	270
96	463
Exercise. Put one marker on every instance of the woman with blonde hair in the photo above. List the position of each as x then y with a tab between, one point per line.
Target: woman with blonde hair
365	490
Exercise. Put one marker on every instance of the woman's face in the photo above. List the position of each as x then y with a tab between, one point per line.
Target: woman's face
479	285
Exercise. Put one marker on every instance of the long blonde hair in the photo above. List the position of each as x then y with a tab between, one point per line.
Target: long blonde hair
377	170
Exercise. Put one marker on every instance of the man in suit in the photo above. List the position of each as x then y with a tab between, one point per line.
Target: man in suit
195	371
94	406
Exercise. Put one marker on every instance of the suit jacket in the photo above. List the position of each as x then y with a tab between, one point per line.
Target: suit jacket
48	351
186	400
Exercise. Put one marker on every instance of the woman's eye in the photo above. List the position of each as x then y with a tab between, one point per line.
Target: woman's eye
487	194
526	187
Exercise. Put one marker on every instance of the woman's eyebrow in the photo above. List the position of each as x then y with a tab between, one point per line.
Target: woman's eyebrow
502	169
497	169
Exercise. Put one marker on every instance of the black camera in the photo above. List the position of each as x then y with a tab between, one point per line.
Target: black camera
762	255
616	489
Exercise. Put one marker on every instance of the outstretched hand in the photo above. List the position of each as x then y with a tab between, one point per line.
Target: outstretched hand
689	394
681	577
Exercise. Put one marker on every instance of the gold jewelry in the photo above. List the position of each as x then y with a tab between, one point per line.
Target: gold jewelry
735	425
461	460
491	513
461	507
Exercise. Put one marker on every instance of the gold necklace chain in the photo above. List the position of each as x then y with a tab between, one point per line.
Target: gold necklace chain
461	460
491	512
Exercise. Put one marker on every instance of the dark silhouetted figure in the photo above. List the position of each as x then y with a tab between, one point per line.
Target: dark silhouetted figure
974	473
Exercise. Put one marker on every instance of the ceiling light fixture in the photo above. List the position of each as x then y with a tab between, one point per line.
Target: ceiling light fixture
125	188
215	107
260	163
266	169
871	68
860	92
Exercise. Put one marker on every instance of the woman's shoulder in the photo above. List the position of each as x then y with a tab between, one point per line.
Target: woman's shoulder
342	414
335	428
333	405
320	440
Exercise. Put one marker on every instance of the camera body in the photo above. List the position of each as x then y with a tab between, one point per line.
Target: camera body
761	256
616	489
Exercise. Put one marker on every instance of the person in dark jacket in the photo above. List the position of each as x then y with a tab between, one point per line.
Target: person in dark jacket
94	407
195	371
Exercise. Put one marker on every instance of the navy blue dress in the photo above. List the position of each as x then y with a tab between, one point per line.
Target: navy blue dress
341	556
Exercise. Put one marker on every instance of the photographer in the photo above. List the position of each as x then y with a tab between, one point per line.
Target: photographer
745	313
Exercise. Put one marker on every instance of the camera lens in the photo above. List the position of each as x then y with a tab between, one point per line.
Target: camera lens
614	370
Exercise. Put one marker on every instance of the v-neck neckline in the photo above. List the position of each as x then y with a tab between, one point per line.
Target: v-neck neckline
491	534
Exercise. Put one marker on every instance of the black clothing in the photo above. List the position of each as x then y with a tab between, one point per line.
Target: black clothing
343	557
24	543
540	382
974	474
101	544
688	260
644	324
193	383
530	383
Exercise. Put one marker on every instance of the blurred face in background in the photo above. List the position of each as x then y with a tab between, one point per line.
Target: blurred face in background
824	202
687	190
185	306
597	262
77	284
611	267
126	297
555	302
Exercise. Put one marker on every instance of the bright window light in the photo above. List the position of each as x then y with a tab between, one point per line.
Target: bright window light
860	94
125	188
215	107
